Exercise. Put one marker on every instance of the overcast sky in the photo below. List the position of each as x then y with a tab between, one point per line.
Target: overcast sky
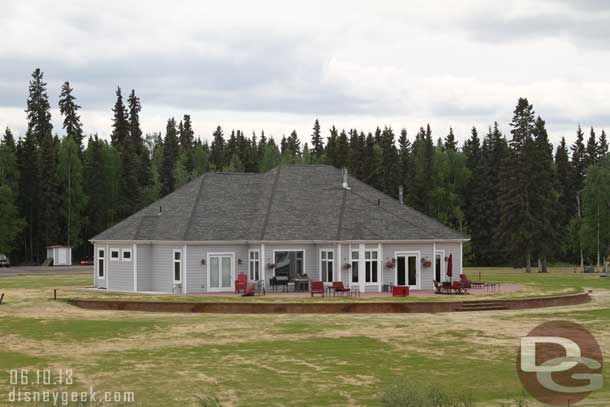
277	65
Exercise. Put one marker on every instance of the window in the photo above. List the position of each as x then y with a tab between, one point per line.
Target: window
114	254
254	265
126	254
371	266
355	257
289	263
177	266
327	262
100	263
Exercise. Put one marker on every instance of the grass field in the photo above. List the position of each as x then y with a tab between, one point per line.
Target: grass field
276	360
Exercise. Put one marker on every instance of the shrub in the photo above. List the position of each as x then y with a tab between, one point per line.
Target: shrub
409	394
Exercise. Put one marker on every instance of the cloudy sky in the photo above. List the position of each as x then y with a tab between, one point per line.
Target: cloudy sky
277	65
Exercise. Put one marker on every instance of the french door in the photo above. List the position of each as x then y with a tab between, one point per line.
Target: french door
221	273
407	272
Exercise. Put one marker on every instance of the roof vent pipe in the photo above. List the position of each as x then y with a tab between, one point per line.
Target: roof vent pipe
345	184
401	195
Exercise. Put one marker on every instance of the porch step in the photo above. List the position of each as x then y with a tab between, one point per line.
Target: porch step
482	306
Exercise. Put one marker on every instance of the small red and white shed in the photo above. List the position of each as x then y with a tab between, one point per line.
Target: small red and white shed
61	255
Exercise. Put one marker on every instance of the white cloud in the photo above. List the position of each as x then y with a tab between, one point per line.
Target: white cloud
278	65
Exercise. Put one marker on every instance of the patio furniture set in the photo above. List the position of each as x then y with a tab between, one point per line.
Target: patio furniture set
303	285
462	286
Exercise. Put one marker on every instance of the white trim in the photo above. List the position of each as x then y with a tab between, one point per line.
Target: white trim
174	261
135	268
97	271
184	286
334	260
361	268
232	277
461	257
442	253
250	260
263	264
380	265
434	261
340	263
407	254
107	268
252	242
130	251
118	251
293	250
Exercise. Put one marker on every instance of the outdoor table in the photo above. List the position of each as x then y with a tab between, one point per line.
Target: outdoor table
301	284
329	289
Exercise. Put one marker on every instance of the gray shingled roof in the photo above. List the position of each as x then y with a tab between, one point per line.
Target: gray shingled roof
290	202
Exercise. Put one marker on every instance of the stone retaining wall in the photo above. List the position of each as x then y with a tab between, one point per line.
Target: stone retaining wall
325	307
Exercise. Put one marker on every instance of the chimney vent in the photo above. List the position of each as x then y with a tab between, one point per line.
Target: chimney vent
401	195
345	184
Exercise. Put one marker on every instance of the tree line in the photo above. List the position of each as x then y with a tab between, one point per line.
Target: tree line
520	200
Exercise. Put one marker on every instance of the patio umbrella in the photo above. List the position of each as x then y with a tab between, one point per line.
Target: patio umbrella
450	267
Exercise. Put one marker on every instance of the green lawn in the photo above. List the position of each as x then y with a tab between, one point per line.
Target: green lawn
276	360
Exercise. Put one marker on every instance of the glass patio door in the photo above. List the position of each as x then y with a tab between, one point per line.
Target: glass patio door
221	273
406	270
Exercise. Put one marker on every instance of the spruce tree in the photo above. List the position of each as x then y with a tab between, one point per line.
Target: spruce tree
120	123
516	212
423	178
187	140
331	147
591	150
603	146
341	159
48	194
69	110
450	143
494	151
8	162
404	158
72	196
171	151
391	165
95	187
578	162
544	203
317	145
217	154
356	153
474	198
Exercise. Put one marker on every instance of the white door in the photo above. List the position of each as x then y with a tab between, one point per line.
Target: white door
220	272
407	270
62	257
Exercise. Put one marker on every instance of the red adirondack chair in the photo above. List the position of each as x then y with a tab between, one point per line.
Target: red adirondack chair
249	292
241	282
317	287
340	288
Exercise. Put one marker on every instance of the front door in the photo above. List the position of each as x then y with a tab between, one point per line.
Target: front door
406	270
221	276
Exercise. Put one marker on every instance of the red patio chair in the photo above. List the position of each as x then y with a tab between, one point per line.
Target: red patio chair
465	282
317	287
241	283
340	288
458	287
249	292
437	287
471	284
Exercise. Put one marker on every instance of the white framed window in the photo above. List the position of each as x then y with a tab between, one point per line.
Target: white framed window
254	265
115	254
355	266
371	266
100	263
126	254
177	270
327	263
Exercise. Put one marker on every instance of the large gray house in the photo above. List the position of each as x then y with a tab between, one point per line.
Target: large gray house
292	221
